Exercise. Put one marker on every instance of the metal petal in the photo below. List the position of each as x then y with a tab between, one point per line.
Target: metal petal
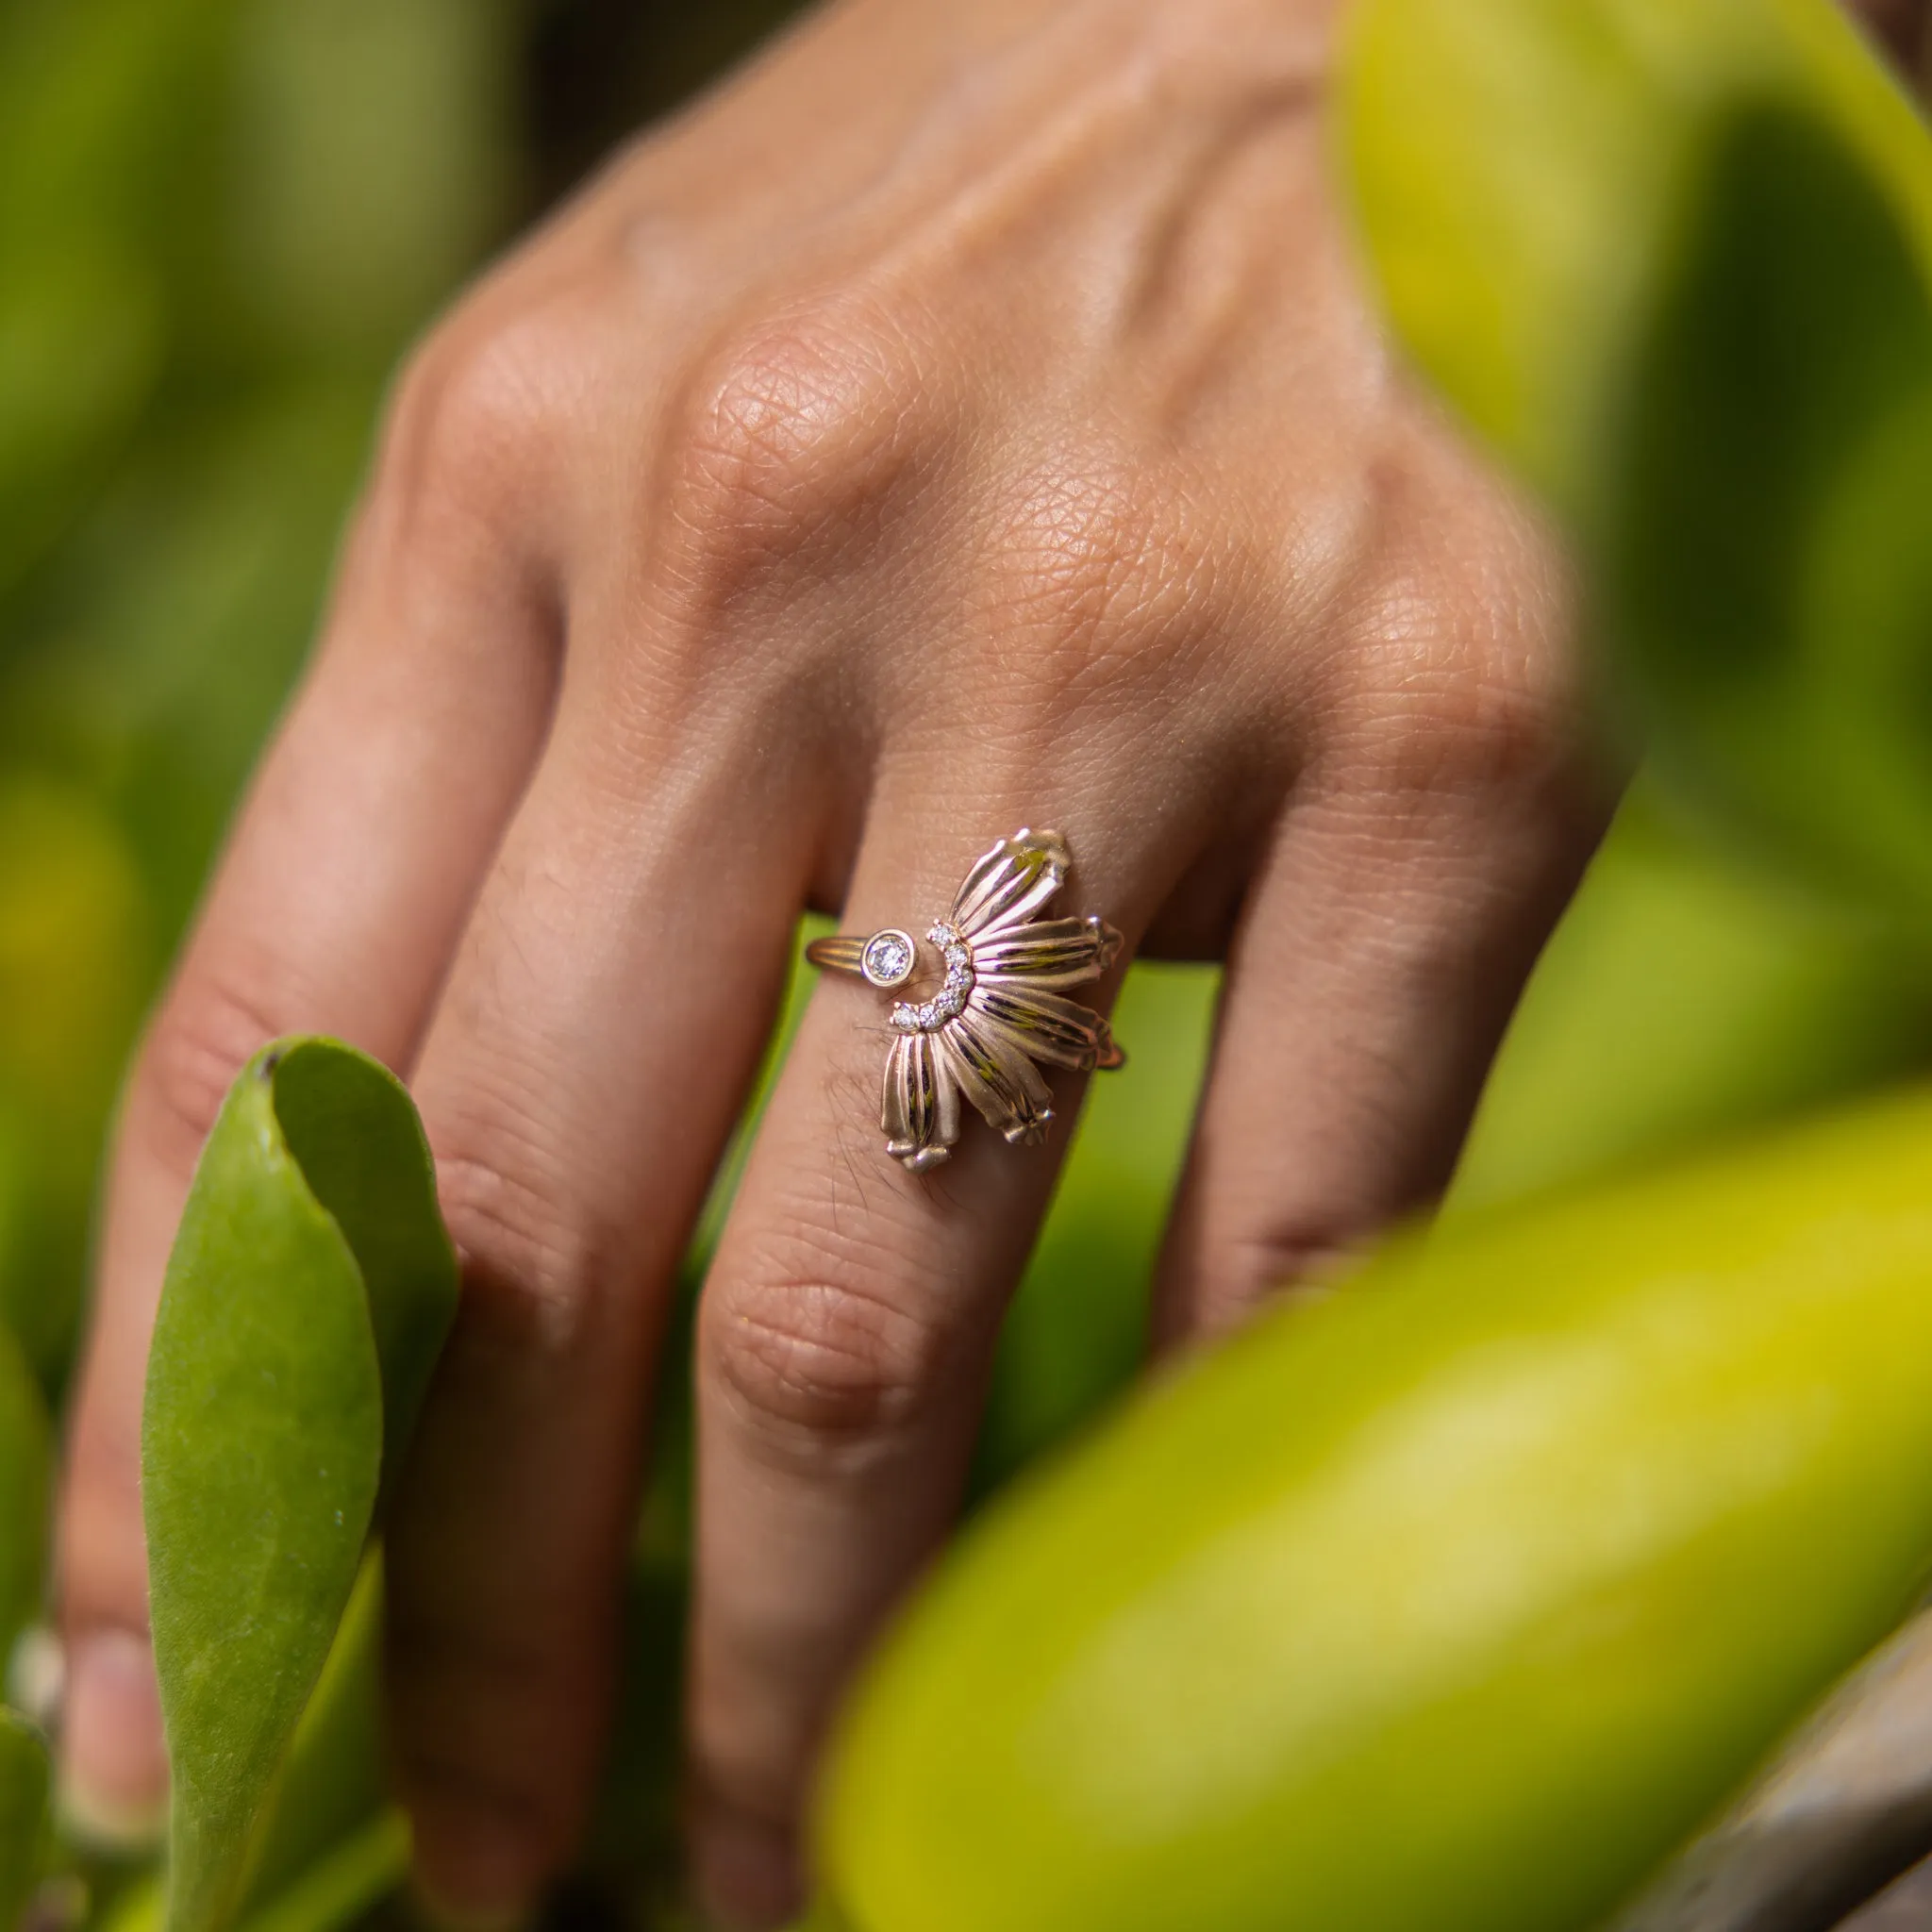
920	1115
1050	952
1044	1023
997	1078
1011	882
946	1130
895	1110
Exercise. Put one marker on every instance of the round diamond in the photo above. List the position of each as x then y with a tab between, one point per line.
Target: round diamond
888	959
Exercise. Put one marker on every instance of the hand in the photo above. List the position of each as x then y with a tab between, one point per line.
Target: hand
966	420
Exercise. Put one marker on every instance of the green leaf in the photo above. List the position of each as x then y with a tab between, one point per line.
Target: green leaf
332	1784
1521	168
1455	1600
309	1292
1672	258
76	959
23	1786
1681	998
23	1478
1764	581
822	1917
342	1887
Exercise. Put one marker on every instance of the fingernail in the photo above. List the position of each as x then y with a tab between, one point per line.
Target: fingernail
114	1764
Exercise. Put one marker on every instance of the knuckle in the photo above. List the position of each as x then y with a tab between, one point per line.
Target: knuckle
470	412
537	1271
210	1023
794	433
1463	701
1463	684
809	1358
1099	575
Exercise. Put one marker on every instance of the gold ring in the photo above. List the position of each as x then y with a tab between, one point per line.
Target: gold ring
998	1009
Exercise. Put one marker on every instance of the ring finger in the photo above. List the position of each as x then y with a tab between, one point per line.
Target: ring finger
845	1339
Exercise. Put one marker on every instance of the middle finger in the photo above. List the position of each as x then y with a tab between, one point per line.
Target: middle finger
601	1022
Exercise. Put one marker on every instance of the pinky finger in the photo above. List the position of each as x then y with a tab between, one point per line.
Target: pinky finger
1383	950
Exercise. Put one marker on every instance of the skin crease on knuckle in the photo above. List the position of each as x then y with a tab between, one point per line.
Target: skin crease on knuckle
815	1362
200	1040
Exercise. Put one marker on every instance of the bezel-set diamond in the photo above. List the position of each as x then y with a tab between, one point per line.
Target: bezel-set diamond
888	958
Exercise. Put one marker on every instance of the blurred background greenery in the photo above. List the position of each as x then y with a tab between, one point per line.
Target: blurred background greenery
224	221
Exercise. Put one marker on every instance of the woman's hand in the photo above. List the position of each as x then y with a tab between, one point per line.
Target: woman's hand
969	419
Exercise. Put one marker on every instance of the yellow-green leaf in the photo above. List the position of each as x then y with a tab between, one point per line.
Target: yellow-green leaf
1672	259
1521	168
1456	1599
23	1478
23	1786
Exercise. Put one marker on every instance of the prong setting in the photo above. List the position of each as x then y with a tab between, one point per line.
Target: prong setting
888	958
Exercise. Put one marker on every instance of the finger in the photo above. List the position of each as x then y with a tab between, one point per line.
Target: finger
1383	950
844	1340
601	1025
1899	23
334	909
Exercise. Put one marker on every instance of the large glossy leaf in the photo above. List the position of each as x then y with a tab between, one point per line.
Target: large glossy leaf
23	1785
1672	256
309	1289
24	1472
1452	1601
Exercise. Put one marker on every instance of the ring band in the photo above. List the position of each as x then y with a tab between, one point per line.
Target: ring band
999	1013
839	954
887	959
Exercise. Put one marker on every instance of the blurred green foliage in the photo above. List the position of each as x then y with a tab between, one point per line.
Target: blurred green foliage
24	1471
1672	262
225	219
24	1782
